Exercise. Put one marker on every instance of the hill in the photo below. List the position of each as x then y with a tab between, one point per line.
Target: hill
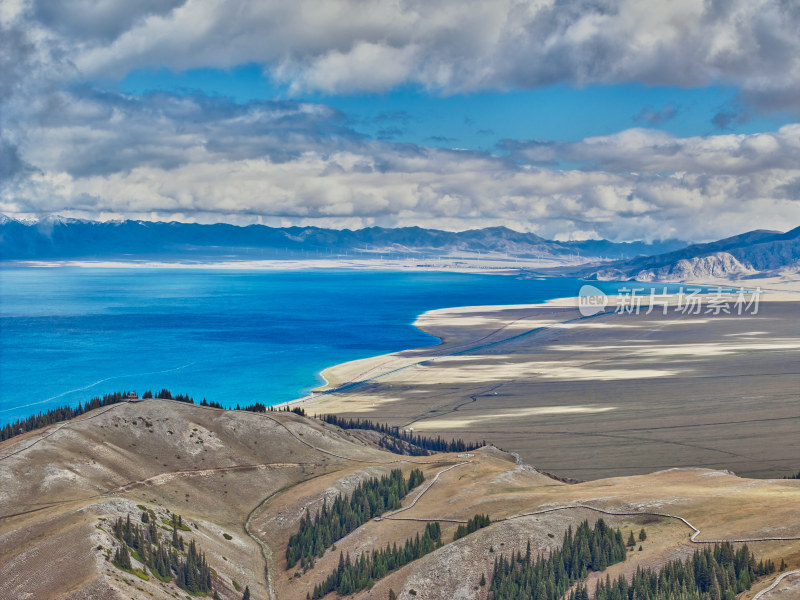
242	483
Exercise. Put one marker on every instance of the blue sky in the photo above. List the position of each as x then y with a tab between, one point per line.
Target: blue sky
480	120
572	119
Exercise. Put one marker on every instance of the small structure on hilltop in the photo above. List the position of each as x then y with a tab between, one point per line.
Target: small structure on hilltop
132	397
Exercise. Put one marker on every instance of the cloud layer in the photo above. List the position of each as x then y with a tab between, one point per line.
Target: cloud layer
209	159
450	45
68	147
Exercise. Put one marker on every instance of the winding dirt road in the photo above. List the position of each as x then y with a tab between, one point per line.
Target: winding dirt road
775	584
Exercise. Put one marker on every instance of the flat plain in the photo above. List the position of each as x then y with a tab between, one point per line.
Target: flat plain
586	398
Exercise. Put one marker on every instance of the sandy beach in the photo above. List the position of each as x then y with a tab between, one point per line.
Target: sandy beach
467	263
611	394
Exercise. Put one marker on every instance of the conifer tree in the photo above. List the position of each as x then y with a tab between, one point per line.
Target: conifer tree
475	523
122	558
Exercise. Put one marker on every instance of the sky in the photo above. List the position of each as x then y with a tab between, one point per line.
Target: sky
571	119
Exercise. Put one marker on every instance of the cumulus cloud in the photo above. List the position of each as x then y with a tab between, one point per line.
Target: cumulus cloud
648	150
449	45
441	190
87	132
197	158
66	147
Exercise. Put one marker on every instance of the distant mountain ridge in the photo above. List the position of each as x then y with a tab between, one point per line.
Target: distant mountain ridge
55	238
749	254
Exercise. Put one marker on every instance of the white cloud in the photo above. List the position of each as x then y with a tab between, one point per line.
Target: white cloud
194	158
365	66
649	150
208	159
454	46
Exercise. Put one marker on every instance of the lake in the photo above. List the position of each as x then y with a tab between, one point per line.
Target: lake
70	333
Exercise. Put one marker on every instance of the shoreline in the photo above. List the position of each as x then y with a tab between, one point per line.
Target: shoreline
607	395
591	396
499	265
790	292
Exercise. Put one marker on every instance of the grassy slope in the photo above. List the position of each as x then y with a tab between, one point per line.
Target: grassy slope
217	468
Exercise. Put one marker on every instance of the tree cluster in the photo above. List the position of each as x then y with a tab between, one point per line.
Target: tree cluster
260	407
475	523
164	559
193	573
371	498
421	442
353	576
718	573
524	576
165	394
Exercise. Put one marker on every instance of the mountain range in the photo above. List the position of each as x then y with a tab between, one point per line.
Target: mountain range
61	238
751	254
56	238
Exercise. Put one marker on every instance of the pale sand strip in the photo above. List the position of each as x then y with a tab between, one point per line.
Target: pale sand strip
617	394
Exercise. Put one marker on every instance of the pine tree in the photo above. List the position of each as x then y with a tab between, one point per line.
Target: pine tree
246	595
483	580
122	558
392	595
642	535
631	540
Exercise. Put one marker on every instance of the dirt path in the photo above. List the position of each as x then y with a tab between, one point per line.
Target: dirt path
422	492
775	584
693	538
694	529
163	478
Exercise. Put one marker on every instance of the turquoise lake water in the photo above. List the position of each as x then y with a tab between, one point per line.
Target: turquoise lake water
68	334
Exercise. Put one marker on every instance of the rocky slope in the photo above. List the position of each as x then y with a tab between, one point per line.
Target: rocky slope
752	254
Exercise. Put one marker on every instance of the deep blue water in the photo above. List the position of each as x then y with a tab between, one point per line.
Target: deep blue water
68	334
